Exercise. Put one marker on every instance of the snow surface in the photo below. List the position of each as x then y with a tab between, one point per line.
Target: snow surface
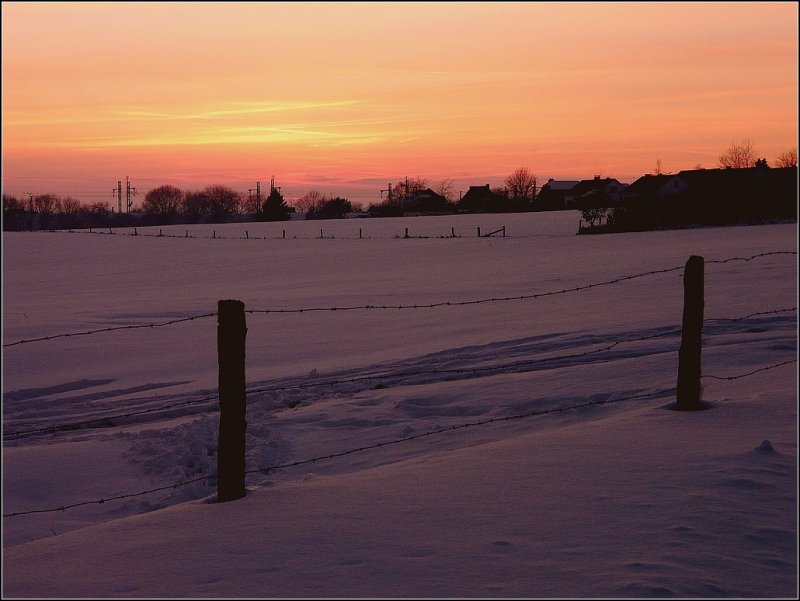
605	499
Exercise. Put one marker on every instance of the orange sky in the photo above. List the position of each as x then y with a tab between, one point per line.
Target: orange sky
345	97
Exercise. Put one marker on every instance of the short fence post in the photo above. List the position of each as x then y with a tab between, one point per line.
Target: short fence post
452	232
359	233
688	389
247	234
479	232
284	234
406	236
231	333
504	231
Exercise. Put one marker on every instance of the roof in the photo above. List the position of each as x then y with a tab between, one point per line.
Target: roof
560	185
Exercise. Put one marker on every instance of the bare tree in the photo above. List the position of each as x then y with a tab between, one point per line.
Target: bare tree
787	158
196	205
68	210
407	187
12	203
446	188
739	156
521	185
310	202
164	202
223	203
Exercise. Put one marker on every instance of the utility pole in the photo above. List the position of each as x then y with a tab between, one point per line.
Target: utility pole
388	191
118	192
258	195
129	192
272	187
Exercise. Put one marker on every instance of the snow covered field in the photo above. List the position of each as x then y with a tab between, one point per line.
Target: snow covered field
553	466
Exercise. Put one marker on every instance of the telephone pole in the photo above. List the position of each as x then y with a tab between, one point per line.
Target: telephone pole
129	192
258	196
272	186
388	191
118	192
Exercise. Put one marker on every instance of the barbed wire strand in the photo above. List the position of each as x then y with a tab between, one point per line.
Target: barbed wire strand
267	469
400	307
329	456
758	314
112	329
750	373
101	421
502	368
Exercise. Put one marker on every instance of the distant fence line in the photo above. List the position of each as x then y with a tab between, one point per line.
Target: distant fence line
401	306
267	469
105	231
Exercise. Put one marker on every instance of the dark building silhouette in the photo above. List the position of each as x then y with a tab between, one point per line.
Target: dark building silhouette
552	195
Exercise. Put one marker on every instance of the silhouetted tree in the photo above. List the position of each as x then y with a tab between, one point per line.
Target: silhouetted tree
223	203
69	212
405	188
739	156
274	208
592	214
309	202
163	202
14	213
196	205
446	188
521	187
45	205
787	158
331	208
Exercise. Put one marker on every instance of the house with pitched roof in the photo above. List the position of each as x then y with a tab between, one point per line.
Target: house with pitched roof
551	196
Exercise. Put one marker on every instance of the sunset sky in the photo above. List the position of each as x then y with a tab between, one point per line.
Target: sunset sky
346	97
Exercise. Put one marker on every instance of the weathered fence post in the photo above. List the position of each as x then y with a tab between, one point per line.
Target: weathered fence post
359	233
452	232
231	333
688	393
284	234
406	236
479	232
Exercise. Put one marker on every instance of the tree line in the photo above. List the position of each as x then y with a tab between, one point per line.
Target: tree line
216	203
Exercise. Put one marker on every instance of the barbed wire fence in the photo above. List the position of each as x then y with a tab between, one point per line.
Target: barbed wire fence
504	368
111	420
367	307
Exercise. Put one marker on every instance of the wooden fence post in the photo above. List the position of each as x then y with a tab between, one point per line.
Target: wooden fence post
479	232
231	333
688	389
